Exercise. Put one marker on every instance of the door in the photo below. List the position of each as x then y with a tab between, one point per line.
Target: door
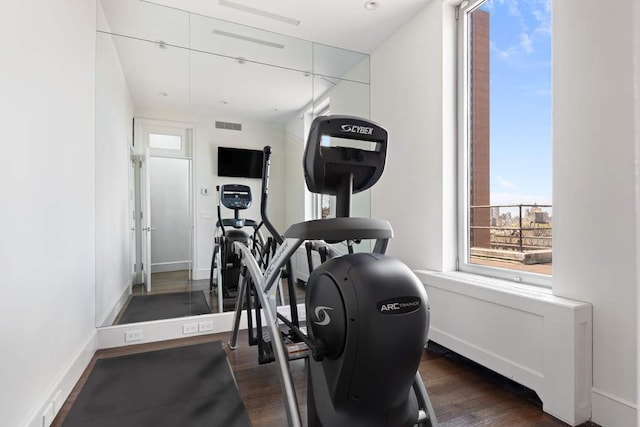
132	220
170	217
147	229
167	152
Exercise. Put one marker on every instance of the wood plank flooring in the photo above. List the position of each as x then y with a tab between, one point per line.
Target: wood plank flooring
461	393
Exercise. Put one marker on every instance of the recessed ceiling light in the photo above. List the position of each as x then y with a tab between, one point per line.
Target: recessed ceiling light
223	102
371	5
274	109
163	94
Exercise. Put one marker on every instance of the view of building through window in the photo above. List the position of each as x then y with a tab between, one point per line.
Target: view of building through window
509	135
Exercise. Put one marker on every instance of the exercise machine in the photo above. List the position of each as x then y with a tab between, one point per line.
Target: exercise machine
367	314
225	264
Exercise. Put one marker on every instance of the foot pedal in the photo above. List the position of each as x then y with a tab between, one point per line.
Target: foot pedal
297	351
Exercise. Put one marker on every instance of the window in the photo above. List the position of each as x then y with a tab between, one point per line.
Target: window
506	217
165	142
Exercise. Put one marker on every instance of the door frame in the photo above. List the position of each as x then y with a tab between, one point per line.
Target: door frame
141	127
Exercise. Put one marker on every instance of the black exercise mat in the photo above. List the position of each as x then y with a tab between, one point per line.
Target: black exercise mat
143	308
181	387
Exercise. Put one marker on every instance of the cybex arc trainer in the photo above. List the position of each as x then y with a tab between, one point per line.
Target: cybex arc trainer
367	314
225	263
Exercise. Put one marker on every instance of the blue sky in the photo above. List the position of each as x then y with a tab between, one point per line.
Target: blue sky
520	41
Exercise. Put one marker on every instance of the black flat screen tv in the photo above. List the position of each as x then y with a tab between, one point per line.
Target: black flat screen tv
239	162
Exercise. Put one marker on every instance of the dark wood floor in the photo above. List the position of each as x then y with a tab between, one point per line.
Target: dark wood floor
461	393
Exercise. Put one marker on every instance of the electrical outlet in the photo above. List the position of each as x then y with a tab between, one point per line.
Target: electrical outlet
189	328
133	335
57	401
206	326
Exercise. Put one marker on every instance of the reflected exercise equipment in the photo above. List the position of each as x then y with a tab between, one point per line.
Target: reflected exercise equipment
225	264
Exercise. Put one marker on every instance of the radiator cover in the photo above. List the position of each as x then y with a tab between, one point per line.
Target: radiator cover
522	332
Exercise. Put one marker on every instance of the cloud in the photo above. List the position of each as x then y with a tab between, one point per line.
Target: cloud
525	42
491	4
513	8
541	89
534	21
541	12
507	53
506	184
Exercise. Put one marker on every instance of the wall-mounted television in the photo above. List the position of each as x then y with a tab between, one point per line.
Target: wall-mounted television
239	162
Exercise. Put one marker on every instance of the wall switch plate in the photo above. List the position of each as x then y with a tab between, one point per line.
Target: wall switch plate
133	335
206	326
206	214
189	328
204	191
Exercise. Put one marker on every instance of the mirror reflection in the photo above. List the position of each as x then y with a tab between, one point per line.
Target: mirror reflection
173	91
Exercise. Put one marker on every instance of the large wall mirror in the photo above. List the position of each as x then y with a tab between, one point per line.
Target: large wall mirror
171	88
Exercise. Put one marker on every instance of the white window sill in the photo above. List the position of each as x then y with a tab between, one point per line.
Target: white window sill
464	282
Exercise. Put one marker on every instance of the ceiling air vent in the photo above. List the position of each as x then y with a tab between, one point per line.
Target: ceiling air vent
228	125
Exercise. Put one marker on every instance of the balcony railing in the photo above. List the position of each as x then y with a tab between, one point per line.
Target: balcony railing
523	228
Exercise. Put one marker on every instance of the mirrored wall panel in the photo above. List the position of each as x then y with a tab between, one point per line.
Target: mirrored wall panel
185	104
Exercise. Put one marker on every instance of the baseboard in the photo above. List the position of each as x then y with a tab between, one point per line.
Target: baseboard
161	330
61	389
612	411
163	267
168	329
111	316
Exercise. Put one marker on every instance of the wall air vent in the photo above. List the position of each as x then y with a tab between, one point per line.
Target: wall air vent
228	125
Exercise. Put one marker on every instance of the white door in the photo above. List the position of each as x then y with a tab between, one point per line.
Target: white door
132	220
163	143
170	212
145	174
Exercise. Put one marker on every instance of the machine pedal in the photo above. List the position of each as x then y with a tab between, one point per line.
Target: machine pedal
297	350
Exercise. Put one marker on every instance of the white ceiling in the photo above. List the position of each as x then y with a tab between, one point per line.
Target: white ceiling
198	66
340	23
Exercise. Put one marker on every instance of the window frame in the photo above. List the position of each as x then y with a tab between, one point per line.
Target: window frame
464	177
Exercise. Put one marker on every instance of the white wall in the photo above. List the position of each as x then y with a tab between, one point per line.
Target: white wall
409	74
636	56
114	114
47	194
295	186
594	196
